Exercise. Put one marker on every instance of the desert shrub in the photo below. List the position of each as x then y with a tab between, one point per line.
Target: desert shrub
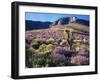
80	60
50	41
59	50
30	51
43	46
38	62
29	56
54	63
42	49
50	47
64	43
45	62
45	49
58	57
41	41
35	44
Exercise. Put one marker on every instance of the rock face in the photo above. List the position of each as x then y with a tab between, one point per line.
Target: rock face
67	20
72	19
61	21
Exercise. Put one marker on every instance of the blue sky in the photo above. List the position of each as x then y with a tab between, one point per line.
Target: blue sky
50	16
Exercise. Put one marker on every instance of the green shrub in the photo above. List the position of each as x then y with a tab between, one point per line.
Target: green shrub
30	51
35	44
29	56
45	62
50	46
45	49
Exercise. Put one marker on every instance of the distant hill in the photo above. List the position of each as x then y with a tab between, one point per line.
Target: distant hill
30	25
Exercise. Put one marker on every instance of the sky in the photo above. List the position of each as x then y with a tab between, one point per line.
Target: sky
50	16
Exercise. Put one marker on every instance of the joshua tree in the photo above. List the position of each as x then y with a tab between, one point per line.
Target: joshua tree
69	37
